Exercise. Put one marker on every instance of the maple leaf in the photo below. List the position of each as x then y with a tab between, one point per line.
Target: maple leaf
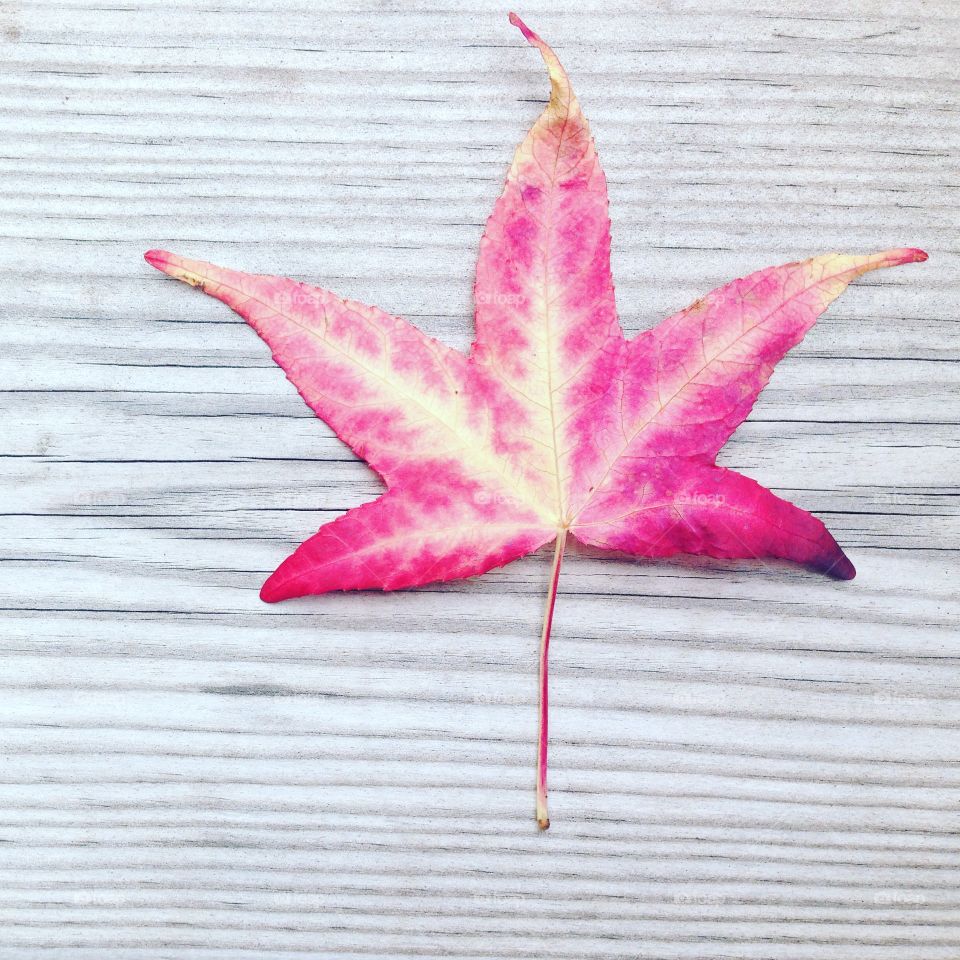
555	424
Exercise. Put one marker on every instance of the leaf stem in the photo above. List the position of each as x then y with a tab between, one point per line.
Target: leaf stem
543	820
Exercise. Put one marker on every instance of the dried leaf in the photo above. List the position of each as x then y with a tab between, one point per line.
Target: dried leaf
554	424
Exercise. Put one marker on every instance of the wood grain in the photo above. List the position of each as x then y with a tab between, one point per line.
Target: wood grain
748	762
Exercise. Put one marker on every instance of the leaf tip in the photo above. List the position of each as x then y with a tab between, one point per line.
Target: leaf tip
840	567
522	27
157	258
908	255
272	591
559	84
178	267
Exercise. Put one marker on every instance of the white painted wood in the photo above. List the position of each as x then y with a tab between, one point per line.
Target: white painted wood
747	762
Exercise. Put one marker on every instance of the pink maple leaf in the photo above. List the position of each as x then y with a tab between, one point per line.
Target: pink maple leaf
555	424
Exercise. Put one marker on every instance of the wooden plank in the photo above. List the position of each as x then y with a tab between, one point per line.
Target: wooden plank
748	762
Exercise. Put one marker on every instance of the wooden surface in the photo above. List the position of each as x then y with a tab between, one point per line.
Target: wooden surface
748	762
